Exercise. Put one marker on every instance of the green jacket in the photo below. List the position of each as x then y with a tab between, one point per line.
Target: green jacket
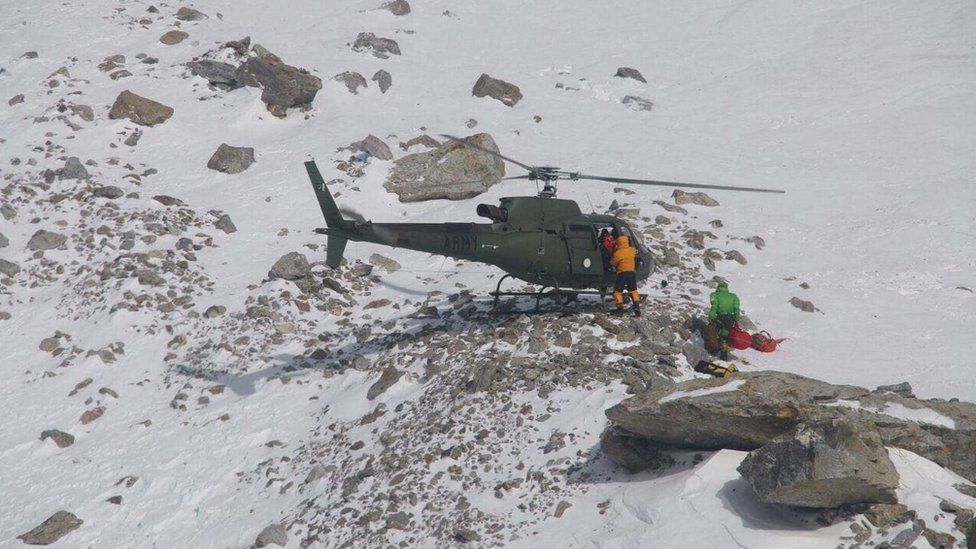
724	302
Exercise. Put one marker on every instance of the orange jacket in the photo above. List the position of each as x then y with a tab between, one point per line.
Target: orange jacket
624	256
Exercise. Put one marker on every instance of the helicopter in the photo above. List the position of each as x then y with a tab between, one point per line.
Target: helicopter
543	240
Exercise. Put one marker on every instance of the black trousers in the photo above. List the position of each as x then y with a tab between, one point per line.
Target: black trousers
625	281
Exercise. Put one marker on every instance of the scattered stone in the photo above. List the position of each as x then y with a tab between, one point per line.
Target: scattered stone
352	80
214	311
51	530
507	93
372	146
115	500
627	72
140	110
133	139
291	266
4	242
29	55
91	415
62	439
885	515
387	379
903	389
380	47
384	263
561	508
228	159
283	86
73	169
8	268
48	344
637	103
424	140
220	75
466	535
190	14
397	7
701	199
383	79
225	224
802	304
46	240
167	200
825	464
272	534
174	37
8	212
451	171
84	112
109	191
736	256
471	123
19	98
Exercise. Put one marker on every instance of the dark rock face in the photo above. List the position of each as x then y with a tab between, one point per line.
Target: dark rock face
824	464
635	454
46	240
220	75
380	47
51	530
383	79
291	266
283	86
228	159
751	409
450	171
140	110
627	72
486	86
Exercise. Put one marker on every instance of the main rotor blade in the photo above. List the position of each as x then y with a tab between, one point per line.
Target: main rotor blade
490	181
489	151
676	184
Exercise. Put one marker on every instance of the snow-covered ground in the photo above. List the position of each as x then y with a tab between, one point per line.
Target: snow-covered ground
863	112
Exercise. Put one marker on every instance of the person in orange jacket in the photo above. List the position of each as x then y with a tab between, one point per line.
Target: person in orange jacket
624	262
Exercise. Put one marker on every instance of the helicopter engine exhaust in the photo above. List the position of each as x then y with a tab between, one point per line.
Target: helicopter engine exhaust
494	213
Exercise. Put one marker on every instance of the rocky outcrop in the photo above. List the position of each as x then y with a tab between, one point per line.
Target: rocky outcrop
51	530
627	72
397	7
283	86
750	409
372	146
699	198
352	80
274	534
380	47
383	79
824	464
452	171
228	159
507	93
140	110
46	240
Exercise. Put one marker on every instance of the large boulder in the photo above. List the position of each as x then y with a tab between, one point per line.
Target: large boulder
824	464
140	110
9	268
380	47
452	171
219	74
372	146
507	93
291	266
228	159
750	409
51	530
73	169
46	240
283	86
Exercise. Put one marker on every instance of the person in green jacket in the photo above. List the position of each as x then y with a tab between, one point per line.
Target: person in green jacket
724	313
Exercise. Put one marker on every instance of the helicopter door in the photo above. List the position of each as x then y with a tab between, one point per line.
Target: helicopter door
584	253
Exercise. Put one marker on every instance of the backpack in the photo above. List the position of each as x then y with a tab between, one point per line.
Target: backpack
764	342
739	338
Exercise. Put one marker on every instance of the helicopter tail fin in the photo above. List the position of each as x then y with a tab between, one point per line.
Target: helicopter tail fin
333	217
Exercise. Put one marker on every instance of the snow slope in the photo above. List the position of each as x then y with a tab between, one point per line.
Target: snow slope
861	111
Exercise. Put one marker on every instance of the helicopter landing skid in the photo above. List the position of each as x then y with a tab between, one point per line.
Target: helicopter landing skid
564	296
